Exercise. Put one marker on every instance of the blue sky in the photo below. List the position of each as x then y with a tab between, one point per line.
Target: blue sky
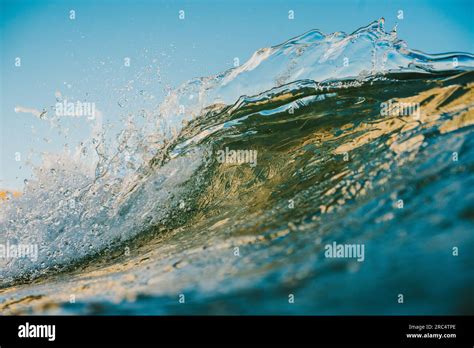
84	58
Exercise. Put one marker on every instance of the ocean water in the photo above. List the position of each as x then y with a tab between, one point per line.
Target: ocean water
226	198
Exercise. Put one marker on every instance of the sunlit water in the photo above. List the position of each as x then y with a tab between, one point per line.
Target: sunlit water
131	229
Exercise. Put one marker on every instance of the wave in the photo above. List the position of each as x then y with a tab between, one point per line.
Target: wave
314	56
310	108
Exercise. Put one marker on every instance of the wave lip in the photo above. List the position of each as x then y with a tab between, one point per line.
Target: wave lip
367	52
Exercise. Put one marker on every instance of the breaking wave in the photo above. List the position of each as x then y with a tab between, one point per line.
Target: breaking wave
329	166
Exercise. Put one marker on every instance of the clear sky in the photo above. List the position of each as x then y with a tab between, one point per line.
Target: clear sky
83	58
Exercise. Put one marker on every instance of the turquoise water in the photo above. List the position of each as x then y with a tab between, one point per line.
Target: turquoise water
162	223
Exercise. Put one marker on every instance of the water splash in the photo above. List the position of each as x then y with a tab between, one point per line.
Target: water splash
79	207
366	53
